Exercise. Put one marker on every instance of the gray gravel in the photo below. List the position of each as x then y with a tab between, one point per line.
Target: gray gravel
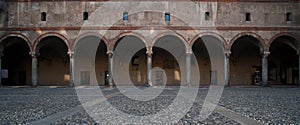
273	105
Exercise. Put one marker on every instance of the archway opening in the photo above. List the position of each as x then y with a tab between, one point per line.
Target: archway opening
166	61
169	54
204	63
245	60
130	55
102	64
53	62
138	68
283	61
209	52
16	62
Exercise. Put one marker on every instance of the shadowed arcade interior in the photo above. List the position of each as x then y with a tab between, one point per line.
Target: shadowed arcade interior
245	60
130	61
283	61
16	62
138	68
166	61
53	62
102	64
200	51
169	53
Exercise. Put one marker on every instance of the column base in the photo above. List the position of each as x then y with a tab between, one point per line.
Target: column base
72	85
265	86
149	84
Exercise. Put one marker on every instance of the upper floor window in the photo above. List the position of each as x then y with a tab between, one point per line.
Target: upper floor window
125	16
167	17
288	16
43	16
85	15
248	16
206	16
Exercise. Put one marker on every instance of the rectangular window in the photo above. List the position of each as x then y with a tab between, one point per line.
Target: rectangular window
248	16
167	17
125	16
288	16
206	15
85	15
43	16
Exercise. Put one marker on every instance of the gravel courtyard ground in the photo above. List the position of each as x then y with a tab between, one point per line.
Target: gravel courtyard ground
61	105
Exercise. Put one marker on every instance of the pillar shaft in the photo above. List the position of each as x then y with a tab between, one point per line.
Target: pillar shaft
34	67
0	69
265	69
149	68
227	68
299	71
188	69
110	68
1	54
71	69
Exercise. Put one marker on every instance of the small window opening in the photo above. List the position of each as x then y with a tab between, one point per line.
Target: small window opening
85	15
125	16
289	16
207	15
43	16
167	17
248	16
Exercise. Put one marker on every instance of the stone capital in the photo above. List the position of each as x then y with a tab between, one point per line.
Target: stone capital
34	54
70	53
109	53
149	51
227	53
189	52
266	54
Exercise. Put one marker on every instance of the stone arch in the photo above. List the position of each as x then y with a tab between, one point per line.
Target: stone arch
261	43
294	45
25	38
50	34
88	34
177	35
213	34
137	35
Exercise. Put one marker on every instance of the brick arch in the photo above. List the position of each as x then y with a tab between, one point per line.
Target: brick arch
284	34
213	34
177	35
25	38
49	34
261	43
130	33
88	34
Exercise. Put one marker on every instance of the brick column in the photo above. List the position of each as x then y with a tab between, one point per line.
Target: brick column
34	68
